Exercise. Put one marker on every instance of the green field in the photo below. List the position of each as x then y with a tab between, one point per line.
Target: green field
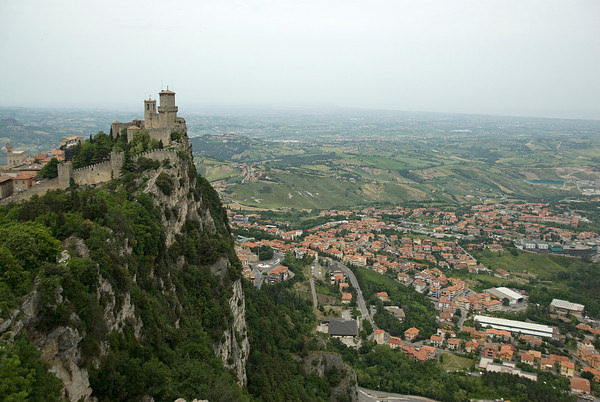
329	174
544	266
450	362
377	278
307	191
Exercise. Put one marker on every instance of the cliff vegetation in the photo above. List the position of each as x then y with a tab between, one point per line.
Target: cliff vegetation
125	289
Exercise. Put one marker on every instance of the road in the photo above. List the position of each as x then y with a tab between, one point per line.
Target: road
265	266
314	269
463	317
368	395
360	301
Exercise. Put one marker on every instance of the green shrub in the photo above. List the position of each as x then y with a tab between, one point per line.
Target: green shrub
146	164
165	183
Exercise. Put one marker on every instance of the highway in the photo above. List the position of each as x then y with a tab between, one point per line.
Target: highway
360	301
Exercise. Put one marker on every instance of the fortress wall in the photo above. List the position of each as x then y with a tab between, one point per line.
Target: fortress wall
161	134
39	189
159	154
164	133
94	174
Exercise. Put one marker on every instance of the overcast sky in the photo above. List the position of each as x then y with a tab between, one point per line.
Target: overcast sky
523	58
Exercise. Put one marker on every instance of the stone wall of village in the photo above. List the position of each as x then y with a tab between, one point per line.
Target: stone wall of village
90	175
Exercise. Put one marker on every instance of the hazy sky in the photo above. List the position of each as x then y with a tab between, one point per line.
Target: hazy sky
527	58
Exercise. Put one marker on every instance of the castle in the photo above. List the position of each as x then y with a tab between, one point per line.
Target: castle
159	124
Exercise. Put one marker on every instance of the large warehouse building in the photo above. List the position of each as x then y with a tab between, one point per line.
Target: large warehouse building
564	307
525	328
506	293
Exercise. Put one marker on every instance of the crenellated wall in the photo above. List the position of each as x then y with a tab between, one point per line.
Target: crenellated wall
94	174
39	189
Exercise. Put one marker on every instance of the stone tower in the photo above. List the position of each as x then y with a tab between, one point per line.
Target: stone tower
65	172
150	115
159	121
167	111
14	158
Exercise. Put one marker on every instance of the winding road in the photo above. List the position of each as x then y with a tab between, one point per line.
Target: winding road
359	296
314	271
367	395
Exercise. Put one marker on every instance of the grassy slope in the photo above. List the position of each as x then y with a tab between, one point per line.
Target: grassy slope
541	265
444	169
455	363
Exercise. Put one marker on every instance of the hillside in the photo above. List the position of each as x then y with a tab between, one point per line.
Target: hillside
128	289
132	290
450	169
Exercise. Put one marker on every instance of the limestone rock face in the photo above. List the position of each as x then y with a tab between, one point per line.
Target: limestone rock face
62	345
61	349
235	348
116	320
324	363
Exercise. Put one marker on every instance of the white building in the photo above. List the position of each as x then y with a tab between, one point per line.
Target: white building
502	293
520	327
565	307
487	364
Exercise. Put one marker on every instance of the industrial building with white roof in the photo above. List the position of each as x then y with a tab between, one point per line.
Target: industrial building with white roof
525	328
502	293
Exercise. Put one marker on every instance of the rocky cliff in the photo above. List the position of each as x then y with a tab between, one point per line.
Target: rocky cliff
145	277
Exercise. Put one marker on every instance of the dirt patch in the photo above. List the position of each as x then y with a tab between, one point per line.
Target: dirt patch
325	300
530	175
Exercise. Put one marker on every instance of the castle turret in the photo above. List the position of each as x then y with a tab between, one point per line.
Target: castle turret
150	115
115	128
65	172
167	111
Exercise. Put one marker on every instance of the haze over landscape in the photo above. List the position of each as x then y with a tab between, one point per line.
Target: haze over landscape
523	58
300	201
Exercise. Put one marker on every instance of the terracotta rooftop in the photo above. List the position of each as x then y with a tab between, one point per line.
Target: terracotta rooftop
580	383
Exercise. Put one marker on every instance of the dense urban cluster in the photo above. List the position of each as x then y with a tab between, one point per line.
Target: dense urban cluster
431	251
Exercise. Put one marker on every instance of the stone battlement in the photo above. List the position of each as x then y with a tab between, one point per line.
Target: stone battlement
98	173
91	167
159	125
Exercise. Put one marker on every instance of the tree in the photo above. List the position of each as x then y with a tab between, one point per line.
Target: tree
24	376
588	375
505	302
264	252
50	169
128	163
30	243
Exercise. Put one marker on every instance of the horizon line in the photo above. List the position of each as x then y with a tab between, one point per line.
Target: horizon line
280	107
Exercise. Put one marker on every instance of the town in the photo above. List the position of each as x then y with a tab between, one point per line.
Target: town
22	172
439	254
